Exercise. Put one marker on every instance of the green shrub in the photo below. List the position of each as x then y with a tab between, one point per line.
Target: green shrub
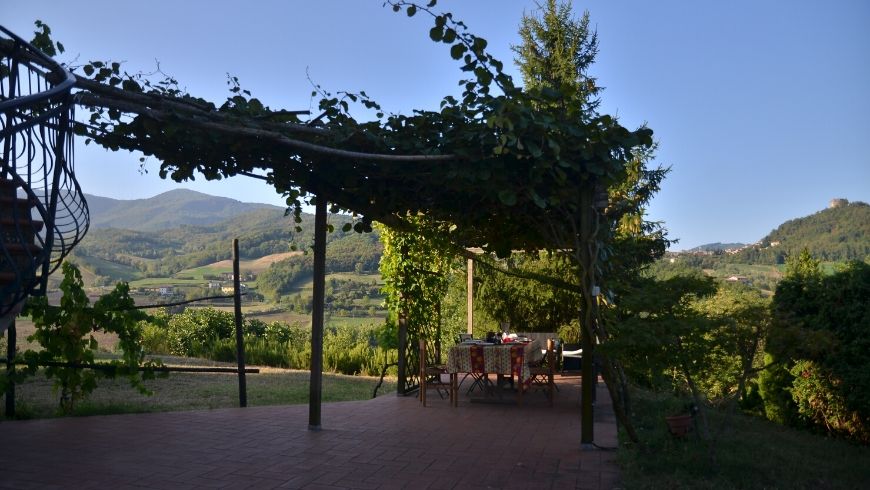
264	352
209	333
254	327
347	349
821	332
192	332
819	399
283	333
774	387
155	338
223	350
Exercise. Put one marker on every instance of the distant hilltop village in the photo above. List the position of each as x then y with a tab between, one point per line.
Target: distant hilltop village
730	250
838	203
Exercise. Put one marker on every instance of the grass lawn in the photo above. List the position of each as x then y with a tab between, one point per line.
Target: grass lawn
35	398
748	452
195	391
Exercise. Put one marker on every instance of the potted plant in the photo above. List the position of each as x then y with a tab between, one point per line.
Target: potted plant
679	425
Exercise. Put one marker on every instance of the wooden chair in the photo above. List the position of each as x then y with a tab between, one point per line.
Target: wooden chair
542	373
432	378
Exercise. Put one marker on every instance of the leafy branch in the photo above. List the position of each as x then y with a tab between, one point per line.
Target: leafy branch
66	334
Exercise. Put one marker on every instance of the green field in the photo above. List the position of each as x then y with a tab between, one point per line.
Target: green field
308	285
255	266
152	282
206	270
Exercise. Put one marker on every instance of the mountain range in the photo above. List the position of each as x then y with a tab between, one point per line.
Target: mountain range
168	210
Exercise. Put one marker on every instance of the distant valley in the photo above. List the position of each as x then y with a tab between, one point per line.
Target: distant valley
178	245
834	235
182	239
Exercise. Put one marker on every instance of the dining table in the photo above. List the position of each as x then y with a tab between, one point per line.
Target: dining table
502	359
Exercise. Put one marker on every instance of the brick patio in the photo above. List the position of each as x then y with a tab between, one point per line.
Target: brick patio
389	442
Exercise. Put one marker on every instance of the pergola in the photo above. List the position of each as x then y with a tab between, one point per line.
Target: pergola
515	170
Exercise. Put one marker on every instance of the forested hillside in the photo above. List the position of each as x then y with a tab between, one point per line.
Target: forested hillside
351	252
168	210
832	235
835	235
114	254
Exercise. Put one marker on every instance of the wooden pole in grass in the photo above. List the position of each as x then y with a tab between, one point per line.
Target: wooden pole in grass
240	339
10	370
316	383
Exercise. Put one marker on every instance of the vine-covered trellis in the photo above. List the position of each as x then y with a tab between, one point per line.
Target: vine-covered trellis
498	167
414	267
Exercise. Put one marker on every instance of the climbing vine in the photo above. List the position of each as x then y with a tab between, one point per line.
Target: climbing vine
414	268
66	336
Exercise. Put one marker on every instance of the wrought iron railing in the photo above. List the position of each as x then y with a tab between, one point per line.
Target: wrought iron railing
43	213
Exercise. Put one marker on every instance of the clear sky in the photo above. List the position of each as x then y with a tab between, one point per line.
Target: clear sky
761	108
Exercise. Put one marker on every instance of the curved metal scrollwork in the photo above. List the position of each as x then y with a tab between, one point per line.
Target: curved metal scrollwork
43	213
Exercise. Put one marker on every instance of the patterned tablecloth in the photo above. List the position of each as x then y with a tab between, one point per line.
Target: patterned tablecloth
507	359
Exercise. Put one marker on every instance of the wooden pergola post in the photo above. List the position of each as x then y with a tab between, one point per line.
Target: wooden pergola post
316	379
469	295
587	332
402	387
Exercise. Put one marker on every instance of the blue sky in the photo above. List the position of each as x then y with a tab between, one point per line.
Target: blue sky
761	108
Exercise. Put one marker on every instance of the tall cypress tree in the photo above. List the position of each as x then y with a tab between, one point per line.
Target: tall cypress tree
554	57
557	51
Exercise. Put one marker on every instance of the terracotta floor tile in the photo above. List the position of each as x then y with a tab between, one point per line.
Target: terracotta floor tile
389	442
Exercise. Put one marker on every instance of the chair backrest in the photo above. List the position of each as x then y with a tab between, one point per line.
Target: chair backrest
551	356
465	336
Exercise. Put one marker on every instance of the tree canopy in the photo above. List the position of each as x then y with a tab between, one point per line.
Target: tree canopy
556	52
491	163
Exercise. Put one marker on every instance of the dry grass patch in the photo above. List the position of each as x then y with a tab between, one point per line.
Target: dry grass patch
257	265
35	398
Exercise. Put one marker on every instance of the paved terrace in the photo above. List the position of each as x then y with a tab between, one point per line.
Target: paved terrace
389	442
